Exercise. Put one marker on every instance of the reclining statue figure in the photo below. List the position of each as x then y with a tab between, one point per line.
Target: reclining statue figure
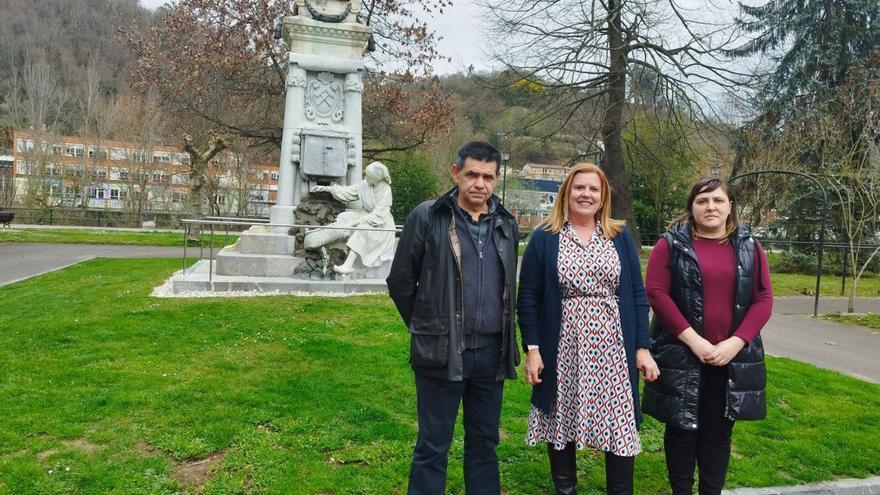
368	205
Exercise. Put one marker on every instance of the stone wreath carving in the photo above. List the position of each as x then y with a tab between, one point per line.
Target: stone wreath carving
321	16
324	98
295	80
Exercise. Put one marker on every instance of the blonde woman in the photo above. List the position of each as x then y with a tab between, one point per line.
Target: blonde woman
583	317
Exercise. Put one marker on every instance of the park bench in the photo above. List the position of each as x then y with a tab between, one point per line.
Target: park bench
6	217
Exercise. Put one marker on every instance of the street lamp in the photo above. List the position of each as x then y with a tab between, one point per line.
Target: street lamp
504	158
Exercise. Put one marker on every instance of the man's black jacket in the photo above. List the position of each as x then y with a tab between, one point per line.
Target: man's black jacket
426	286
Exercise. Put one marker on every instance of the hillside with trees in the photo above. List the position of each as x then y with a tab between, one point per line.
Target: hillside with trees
60	60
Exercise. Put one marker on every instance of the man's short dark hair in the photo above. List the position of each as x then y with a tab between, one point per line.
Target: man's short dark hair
480	151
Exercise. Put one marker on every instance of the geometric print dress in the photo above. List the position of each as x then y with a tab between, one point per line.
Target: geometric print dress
594	403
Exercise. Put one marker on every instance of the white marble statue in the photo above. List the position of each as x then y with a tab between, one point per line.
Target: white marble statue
368	205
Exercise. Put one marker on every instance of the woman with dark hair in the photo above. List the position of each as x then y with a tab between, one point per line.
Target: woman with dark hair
583	317
709	285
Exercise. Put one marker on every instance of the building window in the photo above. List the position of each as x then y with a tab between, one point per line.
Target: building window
74	150
97	192
118	154
55	149
274	175
99	153
139	156
161	158
178	197
220	199
114	193
160	177
25	145
715	170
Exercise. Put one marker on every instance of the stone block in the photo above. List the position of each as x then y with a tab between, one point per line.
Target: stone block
255	265
265	243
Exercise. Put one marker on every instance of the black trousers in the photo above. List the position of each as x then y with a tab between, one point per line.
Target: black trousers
480	394
707	448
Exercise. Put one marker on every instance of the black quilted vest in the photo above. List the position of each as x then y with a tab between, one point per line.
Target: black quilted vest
673	398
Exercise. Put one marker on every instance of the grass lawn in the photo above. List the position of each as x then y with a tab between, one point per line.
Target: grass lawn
870	320
106	390
788	284
102	236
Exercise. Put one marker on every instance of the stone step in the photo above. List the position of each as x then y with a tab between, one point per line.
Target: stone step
266	243
232	262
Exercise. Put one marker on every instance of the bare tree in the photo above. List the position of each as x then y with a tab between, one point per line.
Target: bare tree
587	54
137	119
45	98
219	63
201	189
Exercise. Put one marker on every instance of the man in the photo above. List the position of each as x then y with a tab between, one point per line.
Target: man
453	282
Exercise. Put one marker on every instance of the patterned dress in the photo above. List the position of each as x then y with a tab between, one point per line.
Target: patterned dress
594	403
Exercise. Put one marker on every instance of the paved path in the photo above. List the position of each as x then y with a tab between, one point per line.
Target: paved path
792	332
20	261
803	305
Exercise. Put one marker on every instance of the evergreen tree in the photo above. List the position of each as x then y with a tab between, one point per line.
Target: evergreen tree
812	42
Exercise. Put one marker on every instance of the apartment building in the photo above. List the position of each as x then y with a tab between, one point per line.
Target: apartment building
543	171
69	171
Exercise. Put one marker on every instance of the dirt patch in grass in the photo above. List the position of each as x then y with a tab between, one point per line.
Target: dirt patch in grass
82	445
144	449
79	444
196	471
42	456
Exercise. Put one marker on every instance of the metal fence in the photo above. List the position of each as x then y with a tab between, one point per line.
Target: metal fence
91	217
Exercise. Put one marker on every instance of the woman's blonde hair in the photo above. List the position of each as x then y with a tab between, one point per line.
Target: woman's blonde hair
559	213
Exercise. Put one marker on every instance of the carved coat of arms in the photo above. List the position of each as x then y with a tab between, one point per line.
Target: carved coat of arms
324	98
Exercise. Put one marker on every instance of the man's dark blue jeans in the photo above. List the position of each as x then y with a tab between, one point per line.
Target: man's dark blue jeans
480	393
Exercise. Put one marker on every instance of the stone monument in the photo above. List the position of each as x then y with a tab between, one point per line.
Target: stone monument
370	252
321	150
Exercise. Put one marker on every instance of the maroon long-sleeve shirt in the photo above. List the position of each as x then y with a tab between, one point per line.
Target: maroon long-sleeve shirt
718	271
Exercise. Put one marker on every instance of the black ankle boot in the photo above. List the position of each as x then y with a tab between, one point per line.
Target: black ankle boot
563	468
619	474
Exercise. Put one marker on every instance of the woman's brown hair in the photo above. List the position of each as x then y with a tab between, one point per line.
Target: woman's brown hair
559	213
704	186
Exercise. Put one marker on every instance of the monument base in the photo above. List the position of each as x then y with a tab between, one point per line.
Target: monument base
196	280
284	215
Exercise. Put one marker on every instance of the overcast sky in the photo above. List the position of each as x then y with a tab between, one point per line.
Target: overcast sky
462	40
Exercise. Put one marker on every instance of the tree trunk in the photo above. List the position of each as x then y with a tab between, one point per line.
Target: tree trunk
199	160
612	159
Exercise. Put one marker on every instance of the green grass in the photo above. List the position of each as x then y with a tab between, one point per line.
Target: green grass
870	320
103	236
106	390
788	284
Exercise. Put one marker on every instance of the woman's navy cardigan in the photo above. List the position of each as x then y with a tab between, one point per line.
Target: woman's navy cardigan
539	309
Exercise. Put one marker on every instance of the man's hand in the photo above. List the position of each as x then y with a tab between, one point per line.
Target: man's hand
646	364
725	351
534	367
